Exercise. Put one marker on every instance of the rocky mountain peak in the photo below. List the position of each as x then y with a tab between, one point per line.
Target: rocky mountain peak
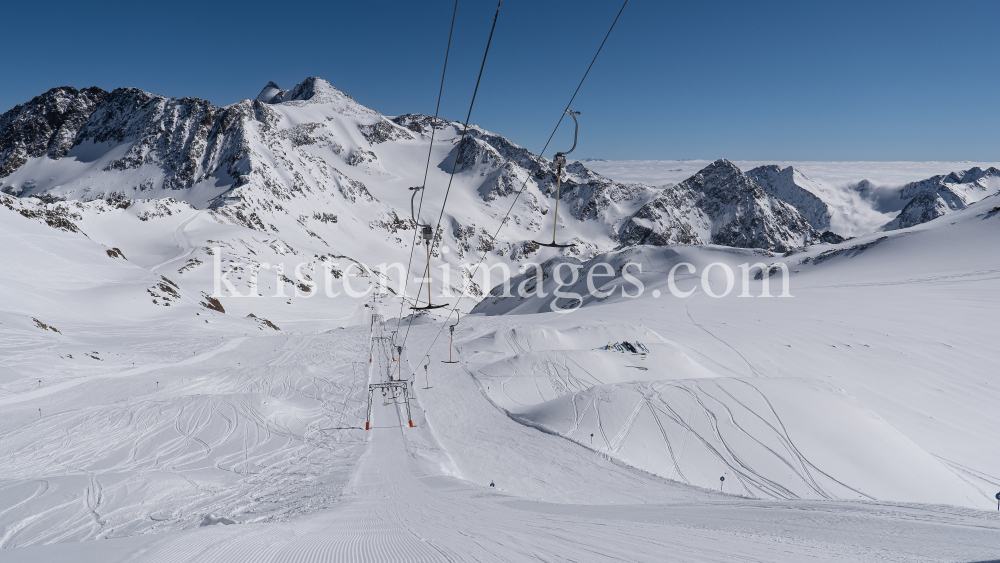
795	189
45	126
939	195
312	90
271	93
976	174
722	205
724	181
722	171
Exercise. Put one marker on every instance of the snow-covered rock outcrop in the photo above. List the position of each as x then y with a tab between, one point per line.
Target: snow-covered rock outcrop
939	195
719	205
795	189
45	126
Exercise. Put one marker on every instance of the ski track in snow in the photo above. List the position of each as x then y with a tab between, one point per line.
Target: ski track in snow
49	390
396	507
182	240
230	451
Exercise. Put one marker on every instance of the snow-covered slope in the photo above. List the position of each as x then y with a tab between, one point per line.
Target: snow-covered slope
915	376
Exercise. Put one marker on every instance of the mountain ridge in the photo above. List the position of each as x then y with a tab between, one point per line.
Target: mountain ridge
271	164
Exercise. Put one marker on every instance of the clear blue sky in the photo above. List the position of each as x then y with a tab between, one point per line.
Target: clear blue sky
837	80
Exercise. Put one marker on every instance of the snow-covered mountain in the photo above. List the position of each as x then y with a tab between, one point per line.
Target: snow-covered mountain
937	196
722	205
310	174
796	189
307	166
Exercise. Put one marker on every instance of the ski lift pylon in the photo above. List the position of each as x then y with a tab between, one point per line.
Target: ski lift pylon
451	340
560	161
427	234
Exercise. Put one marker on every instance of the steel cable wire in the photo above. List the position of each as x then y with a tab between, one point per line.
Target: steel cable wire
524	184
423	186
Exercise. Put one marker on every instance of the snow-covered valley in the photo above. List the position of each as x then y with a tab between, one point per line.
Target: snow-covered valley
149	413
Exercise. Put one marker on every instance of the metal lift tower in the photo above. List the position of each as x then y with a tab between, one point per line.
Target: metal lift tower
395	387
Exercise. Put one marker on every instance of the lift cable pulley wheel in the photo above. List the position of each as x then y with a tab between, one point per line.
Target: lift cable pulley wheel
451	342
560	161
427	234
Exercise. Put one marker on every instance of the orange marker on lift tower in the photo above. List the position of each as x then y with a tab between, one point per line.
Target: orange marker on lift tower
391	385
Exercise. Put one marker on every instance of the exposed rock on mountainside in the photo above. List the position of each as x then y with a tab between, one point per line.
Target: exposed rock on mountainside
795	189
722	205
45	126
419	123
940	195
280	164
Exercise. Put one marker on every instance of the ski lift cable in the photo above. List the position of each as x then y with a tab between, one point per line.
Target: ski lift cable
454	168
427	167
525	183
465	130
468	117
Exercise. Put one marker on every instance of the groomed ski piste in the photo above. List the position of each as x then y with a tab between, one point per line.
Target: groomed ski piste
854	421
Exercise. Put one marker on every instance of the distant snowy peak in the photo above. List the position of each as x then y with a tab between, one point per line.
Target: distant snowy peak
720	205
271	94
795	189
939	195
313	91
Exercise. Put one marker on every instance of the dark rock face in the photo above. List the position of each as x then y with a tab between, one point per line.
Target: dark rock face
45	126
419	123
177	135
507	169
189	139
383	131
273	94
173	134
670	218
831	237
722	205
592	196
927	206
